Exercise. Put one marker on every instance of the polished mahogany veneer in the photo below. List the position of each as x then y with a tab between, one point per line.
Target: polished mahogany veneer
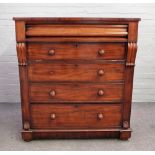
76	51
76	76
66	116
71	71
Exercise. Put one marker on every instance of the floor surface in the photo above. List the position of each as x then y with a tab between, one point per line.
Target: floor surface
142	123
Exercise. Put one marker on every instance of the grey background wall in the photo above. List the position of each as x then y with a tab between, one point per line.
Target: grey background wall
144	80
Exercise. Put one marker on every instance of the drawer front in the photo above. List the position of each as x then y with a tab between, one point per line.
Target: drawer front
75	116
76	92
77	30
85	51
63	71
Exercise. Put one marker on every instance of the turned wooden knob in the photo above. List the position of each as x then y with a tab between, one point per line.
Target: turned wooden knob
53	116
101	52
100	92
51	52
100	72
52	93
100	116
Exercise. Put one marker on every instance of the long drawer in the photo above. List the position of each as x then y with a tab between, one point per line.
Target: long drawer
75	116
42	92
85	51
67	71
76	30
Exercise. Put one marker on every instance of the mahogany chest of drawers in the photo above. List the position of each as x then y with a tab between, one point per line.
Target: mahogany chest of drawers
76	76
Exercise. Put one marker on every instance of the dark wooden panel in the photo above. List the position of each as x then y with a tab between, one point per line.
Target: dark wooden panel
63	71
75	116
41	92
71	134
88	51
76	133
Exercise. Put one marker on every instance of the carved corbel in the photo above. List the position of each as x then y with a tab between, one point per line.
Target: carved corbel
21	53
131	56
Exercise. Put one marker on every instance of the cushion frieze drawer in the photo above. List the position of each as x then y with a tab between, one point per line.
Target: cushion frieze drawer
66	71
86	51
76	30
41	92
75	116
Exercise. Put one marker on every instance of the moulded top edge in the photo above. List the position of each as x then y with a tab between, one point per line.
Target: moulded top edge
75	19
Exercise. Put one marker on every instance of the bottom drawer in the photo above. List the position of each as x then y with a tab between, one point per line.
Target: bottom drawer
75	116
